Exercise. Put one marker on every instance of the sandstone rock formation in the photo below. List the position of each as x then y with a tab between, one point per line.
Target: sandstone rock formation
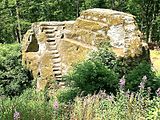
51	48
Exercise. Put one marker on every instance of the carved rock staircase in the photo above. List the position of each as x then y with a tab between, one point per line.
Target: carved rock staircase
54	35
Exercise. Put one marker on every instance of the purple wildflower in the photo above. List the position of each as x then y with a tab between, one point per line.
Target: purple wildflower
149	90
55	105
102	94
158	92
144	78
122	82
141	86
127	93
16	115
110	97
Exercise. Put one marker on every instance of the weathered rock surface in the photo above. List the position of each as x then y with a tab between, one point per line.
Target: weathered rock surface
51	48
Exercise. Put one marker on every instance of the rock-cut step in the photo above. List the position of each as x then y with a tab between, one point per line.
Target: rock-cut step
54	52
51	43
57	64
48	31
61	84
57	72
55	55
57	69
49	27
51	39
51	35
58	76
53	47
56	60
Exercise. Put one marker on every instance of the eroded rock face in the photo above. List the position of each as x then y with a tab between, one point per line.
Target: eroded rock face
50	49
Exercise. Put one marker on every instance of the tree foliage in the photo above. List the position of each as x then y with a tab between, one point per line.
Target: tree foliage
14	78
16	16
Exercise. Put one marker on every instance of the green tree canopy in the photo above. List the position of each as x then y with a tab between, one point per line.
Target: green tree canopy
16	16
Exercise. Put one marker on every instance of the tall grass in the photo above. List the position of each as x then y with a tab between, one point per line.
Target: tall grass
105	107
31	106
123	106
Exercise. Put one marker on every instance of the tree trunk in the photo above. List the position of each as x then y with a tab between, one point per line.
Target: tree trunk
150	33
77	8
152	21
113	4
18	22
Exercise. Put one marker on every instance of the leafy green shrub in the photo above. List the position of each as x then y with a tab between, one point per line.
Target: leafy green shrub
104	55
14	78
91	77
67	95
135	75
132	68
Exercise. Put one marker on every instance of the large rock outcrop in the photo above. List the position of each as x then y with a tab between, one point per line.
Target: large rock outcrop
50	49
